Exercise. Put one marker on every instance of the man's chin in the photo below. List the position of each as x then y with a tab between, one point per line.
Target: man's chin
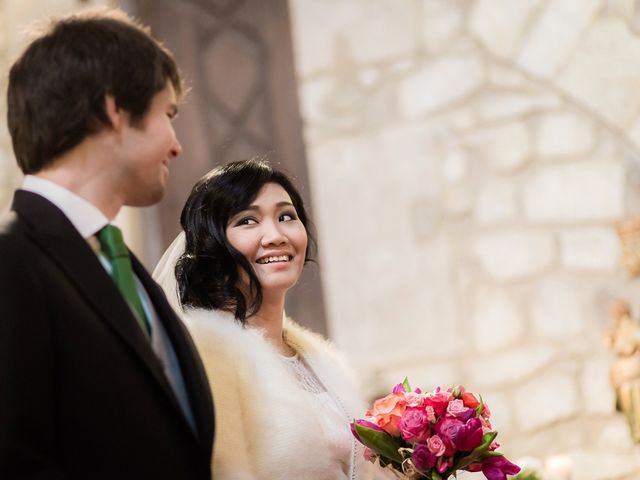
146	198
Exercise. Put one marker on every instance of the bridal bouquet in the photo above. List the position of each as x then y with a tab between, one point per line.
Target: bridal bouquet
432	435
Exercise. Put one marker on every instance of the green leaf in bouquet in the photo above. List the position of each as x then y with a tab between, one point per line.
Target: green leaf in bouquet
405	384
435	475
480	407
380	442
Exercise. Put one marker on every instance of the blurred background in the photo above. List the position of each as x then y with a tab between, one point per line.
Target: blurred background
467	163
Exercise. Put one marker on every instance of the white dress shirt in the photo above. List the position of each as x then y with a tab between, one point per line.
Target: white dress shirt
88	220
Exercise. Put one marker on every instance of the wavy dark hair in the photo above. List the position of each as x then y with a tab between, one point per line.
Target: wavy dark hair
209	269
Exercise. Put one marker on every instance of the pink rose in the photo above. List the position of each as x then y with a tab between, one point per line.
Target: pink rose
414	424
449	429
456	408
431	415
436	445
413	399
439	401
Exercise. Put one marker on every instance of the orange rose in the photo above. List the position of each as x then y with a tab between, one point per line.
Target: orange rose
469	400
387	412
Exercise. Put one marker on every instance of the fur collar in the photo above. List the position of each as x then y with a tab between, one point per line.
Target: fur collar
265	428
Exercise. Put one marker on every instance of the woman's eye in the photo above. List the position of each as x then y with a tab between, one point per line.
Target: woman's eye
287	217
247	221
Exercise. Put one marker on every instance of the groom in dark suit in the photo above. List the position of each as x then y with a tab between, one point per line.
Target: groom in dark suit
98	377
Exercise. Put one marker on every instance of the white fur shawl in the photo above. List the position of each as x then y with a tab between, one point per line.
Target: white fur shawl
264	429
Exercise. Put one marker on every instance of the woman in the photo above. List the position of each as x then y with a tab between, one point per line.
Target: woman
283	398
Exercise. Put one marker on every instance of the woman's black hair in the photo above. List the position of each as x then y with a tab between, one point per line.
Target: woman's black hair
209	269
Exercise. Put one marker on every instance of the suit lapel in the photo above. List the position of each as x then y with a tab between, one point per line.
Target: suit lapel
195	378
58	238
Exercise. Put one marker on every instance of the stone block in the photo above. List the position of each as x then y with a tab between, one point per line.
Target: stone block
496	320
597	392
590	248
457	200
439	84
497	202
603	72
554	34
501	407
455	164
442	24
491	106
514	254
549	398
502	77
510	367
576	192
503	148
611	434
367	32
604	465
564	134
557	309
499	24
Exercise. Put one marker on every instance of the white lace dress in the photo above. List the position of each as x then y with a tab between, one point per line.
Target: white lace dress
329	418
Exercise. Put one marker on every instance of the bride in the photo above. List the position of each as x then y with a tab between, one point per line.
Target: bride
283	397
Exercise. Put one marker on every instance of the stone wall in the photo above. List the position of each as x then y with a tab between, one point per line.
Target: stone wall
469	161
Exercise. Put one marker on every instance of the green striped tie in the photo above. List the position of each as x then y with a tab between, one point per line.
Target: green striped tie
113	247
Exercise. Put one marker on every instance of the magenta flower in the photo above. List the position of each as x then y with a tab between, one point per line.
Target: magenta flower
422	458
439	401
449	429
497	468
443	464
469	436
398	389
363	423
414	424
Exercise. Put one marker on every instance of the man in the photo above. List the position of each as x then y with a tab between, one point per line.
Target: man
98	378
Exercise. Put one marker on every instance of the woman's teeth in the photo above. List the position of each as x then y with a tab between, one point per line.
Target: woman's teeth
280	258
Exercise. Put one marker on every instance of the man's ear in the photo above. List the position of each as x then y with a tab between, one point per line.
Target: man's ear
114	113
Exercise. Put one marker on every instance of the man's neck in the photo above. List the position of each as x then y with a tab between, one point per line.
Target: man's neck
82	172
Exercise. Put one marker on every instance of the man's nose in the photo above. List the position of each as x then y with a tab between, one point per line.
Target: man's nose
176	149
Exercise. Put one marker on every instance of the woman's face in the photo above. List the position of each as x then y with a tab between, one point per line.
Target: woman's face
271	237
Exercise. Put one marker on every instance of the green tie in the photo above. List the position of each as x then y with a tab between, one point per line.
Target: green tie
116	251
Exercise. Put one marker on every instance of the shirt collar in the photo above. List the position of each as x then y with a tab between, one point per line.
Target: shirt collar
84	216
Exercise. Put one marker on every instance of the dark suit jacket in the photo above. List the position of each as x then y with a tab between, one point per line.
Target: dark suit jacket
82	395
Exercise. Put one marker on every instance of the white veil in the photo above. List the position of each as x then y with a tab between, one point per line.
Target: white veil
165	271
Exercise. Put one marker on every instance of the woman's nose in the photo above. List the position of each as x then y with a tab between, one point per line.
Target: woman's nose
273	234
